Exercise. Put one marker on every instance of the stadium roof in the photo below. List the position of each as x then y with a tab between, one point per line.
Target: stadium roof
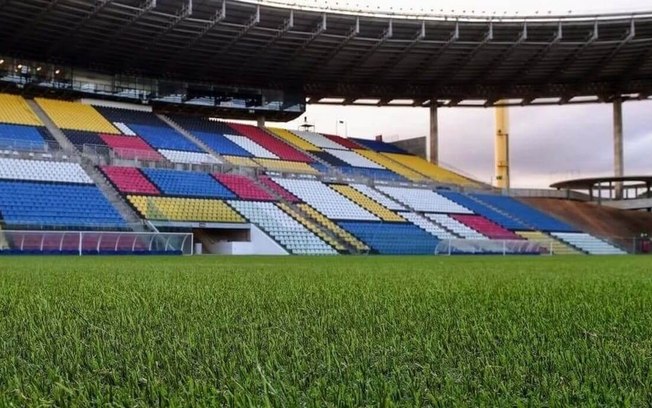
343	57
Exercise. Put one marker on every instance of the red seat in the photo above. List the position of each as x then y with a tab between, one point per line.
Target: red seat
486	227
131	148
129	180
243	187
283	150
280	191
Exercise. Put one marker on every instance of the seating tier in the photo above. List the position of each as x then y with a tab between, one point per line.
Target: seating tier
15	110
30	204
430	170
312	226
367	203
455	226
161	137
184	209
131	147
244	187
325	200
424	200
284	166
341	233
293	139
252	147
34	170
391	165
269	142
22	137
186	183
129	180
558	247
588	243
428	226
523	212
318	140
283	228
486	227
379	197
76	116
277	189
479	208
392	239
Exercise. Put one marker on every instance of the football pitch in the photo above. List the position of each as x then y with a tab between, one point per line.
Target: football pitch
336	331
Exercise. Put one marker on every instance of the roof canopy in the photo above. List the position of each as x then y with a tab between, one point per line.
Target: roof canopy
342	58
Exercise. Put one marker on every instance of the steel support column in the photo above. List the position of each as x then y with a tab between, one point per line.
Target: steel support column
432	144
261	121
619	170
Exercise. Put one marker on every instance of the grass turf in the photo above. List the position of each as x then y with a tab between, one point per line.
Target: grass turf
341	331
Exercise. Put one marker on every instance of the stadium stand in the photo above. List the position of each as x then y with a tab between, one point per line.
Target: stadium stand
294	139
184	209
485	227
179	156
20	137
390	164
320	141
36	170
243	187
455	226
276	189
284	166
430	170
524	213
424	200
313	227
161	137
186	183
283	228
129	180
31	204
276	146
335	229
558	247
14	110
434	229
504	220
392	238
325	200
588	243
253	148
378	146
379	197
367	203
131	147
75	116
241	161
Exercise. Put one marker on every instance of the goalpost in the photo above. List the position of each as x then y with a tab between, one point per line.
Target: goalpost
493	247
96	243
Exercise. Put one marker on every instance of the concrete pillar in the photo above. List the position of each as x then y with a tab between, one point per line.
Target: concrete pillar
261	121
501	154
619	169
432	142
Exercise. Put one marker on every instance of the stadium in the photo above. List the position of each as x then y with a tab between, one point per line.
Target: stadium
142	127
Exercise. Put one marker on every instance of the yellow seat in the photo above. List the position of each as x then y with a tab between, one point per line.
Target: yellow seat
15	110
284	166
294	139
558	247
367	203
334	228
430	170
392	165
76	116
241	161
185	209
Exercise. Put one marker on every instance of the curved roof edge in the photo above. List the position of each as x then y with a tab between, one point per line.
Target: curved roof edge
451	17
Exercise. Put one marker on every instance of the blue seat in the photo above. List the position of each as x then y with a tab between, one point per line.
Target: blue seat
162	137
186	183
481	209
392	239
380	147
56	205
221	144
21	137
528	215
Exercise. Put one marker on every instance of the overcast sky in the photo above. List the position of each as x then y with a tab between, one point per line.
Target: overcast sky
548	144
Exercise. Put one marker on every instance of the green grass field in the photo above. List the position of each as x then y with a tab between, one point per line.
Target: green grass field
346	331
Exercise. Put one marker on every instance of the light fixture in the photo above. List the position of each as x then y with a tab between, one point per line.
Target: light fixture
57	72
2	61
38	69
20	66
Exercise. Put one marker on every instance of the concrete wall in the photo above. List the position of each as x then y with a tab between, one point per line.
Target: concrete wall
416	146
